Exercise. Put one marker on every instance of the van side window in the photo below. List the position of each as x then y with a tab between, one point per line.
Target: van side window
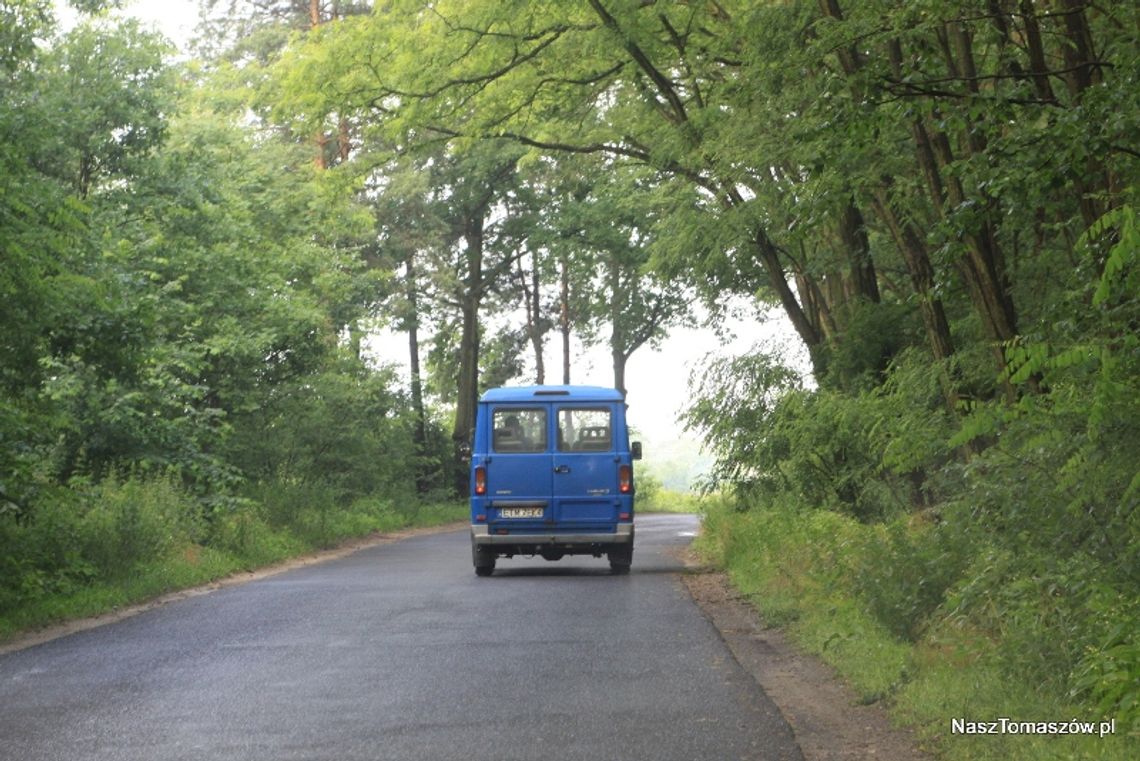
584	430
518	430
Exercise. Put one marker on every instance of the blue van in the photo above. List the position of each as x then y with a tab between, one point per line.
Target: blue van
552	475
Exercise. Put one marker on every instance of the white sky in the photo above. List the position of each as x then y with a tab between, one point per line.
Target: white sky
657	381
175	19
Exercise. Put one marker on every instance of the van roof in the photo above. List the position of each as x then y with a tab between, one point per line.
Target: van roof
551	394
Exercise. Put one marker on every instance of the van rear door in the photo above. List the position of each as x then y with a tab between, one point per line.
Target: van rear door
519	468
585	467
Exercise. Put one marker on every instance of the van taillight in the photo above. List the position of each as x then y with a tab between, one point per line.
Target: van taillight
480	480
625	479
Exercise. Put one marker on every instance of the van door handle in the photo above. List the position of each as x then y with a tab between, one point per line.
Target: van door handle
561	468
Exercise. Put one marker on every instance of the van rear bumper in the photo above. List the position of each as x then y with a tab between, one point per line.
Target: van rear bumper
481	535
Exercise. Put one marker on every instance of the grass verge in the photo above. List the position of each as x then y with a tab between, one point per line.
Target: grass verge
125	543
652	497
847	593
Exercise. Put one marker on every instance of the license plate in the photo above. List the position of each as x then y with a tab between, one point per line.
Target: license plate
520	512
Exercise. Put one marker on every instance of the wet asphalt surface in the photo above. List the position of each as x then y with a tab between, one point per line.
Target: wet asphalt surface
399	652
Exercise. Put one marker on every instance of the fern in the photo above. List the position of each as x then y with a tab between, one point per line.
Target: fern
983	420
1122	256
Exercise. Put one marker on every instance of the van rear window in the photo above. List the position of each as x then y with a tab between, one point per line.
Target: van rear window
518	430
584	429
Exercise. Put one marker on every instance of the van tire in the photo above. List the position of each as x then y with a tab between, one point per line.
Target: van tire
484	561
620	560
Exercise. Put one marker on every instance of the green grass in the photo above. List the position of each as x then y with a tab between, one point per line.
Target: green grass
652	497
195	566
808	573
135	541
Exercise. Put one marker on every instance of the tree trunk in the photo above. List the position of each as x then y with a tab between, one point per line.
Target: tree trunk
861	283
356	340
343	140
321	140
618	340
536	338
982	267
1078	52
419	430
769	255
909	241
1080	61
564	319
1038	67
468	382
815	305
619	360
533	305
911	245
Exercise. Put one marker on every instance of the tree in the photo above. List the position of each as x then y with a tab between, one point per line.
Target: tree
521	64
610	221
443	215
958	78
108	89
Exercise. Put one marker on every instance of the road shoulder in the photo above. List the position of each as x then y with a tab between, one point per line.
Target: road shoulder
824	713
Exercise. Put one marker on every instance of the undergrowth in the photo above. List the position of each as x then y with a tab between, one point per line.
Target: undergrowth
94	547
936	623
654	497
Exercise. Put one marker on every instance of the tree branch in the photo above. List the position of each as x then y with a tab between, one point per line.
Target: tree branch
664	86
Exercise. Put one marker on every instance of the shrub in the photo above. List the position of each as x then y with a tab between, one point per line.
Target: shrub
243	534
72	537
904	570
866	454
132	521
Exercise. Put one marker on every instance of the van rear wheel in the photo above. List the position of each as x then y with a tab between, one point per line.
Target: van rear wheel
484	561
620	560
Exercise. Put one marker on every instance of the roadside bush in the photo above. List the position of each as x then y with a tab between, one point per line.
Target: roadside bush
1055	500
904	569
286	503
90	532
345	433
244	534
873	334
1011	634
318	513
1058	624
1109	670
127	522
867	455
792	554
649	492
39	552
331	522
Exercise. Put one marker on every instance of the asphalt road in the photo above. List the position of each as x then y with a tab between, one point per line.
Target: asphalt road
399	652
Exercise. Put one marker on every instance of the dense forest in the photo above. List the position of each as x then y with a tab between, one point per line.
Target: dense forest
938	195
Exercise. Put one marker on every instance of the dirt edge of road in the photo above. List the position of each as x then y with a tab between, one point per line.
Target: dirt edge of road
64	628
824	713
